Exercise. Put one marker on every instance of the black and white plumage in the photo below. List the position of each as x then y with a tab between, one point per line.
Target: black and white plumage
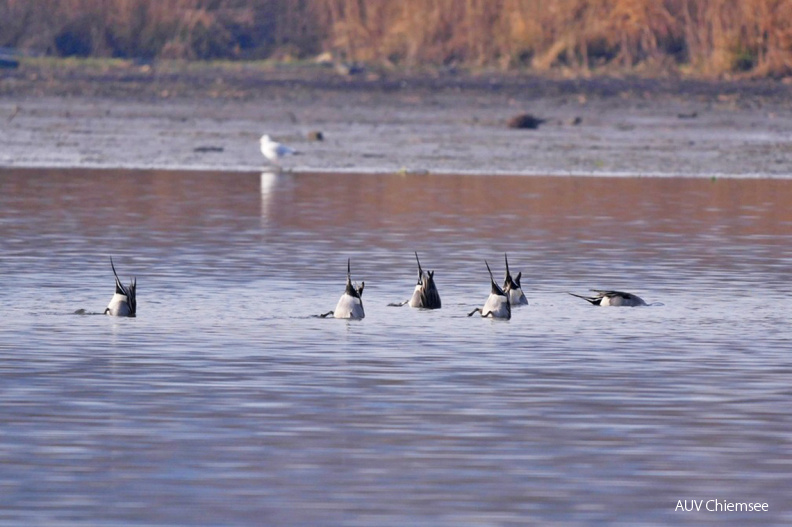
425	295
512	288
350	305
124	301
273	150
612	298
497	304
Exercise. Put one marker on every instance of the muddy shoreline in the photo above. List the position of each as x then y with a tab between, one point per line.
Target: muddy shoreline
146	117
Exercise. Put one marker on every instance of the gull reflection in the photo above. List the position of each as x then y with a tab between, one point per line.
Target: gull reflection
269	179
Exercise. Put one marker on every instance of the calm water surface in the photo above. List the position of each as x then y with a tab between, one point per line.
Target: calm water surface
226	402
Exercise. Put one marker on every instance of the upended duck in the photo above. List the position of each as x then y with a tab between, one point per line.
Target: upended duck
124	302
425	295
512	288
497	304
613	298
350	305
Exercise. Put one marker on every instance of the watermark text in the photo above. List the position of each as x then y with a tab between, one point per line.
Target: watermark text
720	506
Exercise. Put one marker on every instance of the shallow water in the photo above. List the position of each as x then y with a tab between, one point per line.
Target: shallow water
227	402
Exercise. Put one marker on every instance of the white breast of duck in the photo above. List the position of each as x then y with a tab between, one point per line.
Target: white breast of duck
497	306
350	305
426	295
511	286
618	298
119	306
124	301
415	300
613	298
517	298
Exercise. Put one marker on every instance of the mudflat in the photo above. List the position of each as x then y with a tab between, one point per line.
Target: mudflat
210	117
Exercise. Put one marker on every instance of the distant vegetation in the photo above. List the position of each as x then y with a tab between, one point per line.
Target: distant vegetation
702	37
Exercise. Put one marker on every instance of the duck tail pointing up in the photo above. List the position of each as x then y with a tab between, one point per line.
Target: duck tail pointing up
119	287
496	289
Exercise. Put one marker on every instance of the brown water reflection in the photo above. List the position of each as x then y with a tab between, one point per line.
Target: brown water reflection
553	205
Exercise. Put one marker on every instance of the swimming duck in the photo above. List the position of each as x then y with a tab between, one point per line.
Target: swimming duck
273	150
123	303
512	288
425	295
497	304
613	298
350	305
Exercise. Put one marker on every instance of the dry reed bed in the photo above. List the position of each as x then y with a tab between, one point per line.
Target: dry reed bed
702	37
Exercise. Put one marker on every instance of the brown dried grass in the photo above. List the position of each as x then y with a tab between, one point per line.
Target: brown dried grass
188	29
709	37
713	37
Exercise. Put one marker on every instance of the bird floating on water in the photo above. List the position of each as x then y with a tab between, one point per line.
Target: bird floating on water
350	305
273	150
512	288
425	295
497	304
613	298
124	302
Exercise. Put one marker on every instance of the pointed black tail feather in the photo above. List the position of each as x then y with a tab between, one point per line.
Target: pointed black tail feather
594	301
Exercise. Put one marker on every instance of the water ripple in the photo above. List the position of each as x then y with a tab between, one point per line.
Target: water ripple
226	401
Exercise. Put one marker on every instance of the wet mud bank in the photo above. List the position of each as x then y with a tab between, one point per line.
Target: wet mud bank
449	123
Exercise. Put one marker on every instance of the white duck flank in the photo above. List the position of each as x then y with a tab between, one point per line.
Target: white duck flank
124	301
497	304
512	288
613	298
350	305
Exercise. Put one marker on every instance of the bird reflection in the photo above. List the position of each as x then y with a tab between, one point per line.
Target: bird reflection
269	179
